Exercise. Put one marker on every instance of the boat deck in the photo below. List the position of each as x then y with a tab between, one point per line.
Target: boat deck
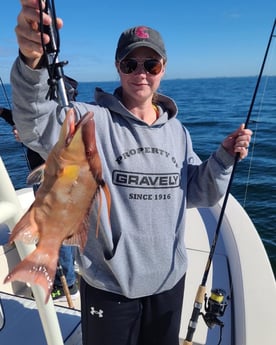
22	323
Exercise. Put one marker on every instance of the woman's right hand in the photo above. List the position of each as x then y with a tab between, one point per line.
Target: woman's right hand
28	34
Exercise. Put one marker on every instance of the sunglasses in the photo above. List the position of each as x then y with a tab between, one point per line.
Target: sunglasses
152	66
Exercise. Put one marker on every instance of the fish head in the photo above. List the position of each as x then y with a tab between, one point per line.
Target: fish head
77	143
75	136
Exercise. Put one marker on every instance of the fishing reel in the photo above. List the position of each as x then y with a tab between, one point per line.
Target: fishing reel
215	307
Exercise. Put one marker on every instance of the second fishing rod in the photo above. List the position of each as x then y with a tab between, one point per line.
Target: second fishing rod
201	292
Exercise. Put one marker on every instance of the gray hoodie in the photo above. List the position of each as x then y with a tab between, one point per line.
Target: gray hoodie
153	175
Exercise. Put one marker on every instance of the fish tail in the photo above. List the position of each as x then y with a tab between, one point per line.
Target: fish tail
37	268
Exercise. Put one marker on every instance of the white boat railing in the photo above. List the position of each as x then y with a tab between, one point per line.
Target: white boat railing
10	212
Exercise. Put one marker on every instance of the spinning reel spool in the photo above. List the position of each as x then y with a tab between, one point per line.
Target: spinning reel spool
214	307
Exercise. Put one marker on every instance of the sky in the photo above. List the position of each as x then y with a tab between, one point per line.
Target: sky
215	38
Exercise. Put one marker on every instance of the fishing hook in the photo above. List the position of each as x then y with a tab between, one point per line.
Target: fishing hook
202	288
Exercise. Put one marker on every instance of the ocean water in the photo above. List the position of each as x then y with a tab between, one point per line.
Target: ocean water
210	109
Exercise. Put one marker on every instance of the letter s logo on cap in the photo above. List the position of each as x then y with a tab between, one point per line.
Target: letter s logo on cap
141	32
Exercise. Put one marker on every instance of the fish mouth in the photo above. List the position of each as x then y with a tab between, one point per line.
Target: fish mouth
73	127
84	119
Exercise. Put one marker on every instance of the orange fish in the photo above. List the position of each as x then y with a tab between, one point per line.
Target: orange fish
72	180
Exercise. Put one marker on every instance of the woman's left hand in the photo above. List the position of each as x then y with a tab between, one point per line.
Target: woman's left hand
238	142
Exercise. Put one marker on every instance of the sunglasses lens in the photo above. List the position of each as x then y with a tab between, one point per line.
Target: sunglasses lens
128	66
153	66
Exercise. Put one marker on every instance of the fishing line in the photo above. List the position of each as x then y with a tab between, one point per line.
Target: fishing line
253	142
255	132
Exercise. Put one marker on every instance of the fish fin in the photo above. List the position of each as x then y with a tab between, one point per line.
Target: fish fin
99	214
108	198
106	191
37	268
36	176
80	237
24	230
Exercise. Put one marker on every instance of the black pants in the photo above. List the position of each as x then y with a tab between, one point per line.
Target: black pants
111	319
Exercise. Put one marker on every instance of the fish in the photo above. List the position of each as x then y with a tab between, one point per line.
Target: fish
71	180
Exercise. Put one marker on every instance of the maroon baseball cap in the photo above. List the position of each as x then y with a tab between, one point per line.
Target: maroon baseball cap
139	36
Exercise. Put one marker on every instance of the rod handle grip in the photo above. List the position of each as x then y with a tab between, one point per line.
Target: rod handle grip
200	294
195	314
67	292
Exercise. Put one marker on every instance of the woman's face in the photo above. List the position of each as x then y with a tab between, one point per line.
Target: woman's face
140	85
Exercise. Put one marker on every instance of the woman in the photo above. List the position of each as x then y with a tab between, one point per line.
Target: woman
133	274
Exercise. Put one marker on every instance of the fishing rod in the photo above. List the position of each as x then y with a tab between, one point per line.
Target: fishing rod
65	286
57	88
217	297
